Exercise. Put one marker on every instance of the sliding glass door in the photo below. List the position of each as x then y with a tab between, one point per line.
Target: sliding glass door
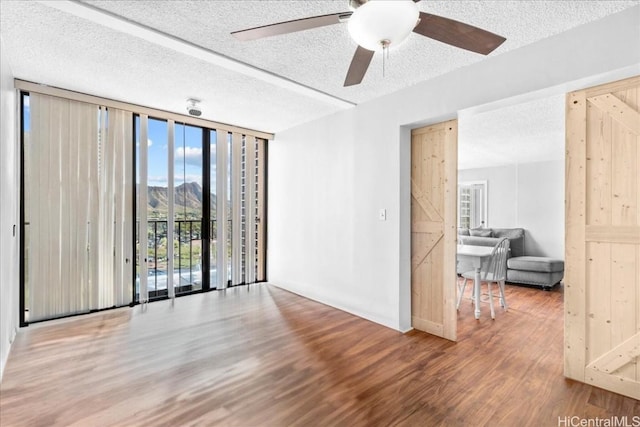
202	190
188	209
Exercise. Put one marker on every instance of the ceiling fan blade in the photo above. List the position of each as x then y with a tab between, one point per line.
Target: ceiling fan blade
291	26
457	34
359	65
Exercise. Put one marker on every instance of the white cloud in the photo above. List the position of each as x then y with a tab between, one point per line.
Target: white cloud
188	151
149	143
191	155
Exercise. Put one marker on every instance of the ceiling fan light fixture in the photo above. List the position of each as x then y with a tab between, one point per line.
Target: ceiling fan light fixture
378	24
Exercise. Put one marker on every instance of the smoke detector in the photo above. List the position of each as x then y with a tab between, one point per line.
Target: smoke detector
192	107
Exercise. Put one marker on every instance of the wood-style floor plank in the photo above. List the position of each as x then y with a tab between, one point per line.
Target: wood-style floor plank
261	356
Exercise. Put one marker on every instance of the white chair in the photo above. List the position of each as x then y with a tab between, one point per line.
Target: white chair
494	271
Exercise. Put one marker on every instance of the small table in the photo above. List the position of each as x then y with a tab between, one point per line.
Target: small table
475	254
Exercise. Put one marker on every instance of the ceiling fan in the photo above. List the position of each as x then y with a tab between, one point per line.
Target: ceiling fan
376	25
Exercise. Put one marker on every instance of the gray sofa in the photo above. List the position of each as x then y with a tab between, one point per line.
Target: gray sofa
521	268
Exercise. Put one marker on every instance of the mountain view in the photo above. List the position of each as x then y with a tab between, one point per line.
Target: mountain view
188	201
187	234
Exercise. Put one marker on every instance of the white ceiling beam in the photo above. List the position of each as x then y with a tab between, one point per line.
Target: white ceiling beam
159	38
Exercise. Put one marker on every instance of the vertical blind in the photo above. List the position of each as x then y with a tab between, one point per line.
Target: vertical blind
78	198
247	205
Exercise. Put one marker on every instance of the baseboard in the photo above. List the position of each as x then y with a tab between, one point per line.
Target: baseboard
306	292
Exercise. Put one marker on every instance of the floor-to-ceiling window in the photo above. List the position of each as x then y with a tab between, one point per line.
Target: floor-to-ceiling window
129	207
157	177
200	189
189	208
76	214
213	209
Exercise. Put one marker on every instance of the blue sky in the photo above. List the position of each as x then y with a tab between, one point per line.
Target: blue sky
187	154
27	114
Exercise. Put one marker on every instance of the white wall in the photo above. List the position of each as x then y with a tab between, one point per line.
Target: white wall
502	187
541	207
530	196
328	178
9	214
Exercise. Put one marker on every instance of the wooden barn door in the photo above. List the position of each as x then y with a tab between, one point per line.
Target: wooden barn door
602	278
434	171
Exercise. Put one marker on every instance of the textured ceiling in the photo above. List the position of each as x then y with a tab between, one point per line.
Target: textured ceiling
48	45
320	57
522	133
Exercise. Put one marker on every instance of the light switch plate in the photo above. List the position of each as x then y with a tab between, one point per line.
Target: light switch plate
382	214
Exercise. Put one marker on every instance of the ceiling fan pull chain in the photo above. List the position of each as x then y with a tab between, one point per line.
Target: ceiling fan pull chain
388	54
385	54
383	61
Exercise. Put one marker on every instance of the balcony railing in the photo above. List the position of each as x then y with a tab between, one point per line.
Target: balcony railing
187	265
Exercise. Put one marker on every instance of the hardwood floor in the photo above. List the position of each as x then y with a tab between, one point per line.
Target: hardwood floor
260	356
